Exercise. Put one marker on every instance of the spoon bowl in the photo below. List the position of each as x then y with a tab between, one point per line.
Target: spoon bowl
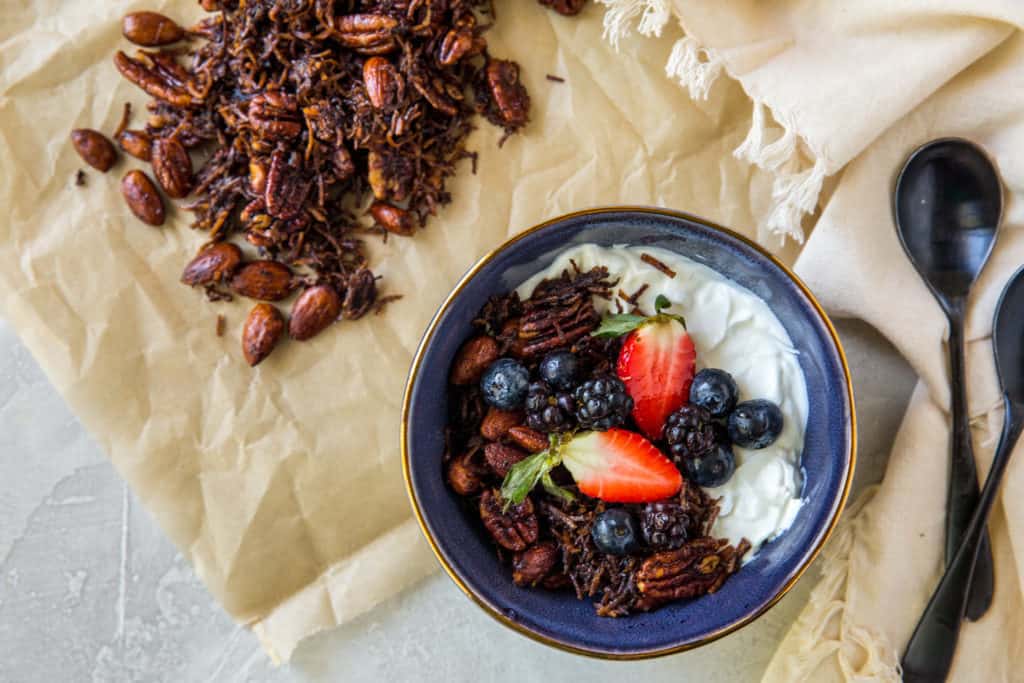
1008	339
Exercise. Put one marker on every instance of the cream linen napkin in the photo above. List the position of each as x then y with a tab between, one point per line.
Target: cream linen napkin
857	86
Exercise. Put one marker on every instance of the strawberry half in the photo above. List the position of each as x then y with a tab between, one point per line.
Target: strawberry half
657	363
620	466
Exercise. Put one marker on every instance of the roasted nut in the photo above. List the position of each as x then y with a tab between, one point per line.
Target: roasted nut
155	81
143	198
344	167
137	143
150	29
257	176
286	188
314	310
459	44
532	565
530	439
370	34
392	219
501	457
263	280
699	566
360	294
275	115
472	359
383	84
513	529
172	167
262	331
94	148
388	174
565	7
497	422
466	476
509	95
214	263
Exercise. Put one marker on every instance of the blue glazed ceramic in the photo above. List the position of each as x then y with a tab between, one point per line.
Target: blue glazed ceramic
559	619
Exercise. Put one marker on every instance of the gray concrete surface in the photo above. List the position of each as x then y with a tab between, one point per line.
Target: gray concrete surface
91	590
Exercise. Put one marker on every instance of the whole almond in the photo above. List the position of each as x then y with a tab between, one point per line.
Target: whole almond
137	143
314	310
528	438
172	167
501	457
94	148
263	280
214	263
497	422
262	331
472	359
143	198
392	219
150	29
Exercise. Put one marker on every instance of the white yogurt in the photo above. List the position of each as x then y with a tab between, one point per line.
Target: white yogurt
733	329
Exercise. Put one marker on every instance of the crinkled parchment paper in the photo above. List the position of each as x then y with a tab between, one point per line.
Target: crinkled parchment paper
283	484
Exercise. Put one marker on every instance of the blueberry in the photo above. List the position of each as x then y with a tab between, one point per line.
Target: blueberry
504	384
755	424
713	469
615	533
715	391
560	369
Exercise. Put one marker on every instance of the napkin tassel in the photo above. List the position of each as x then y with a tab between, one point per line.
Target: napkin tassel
621	14
696	68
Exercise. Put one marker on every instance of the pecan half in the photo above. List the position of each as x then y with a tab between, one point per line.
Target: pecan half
263	280
313	311
700	566
137	143
515	529
172	167
501	457
509	95
143	198
459	44
370	34
150	29
214	263
531	566
360	294
286	187
262	331
497	422
472	359
530	439
94	148
392	219
155	81
275	115
383	84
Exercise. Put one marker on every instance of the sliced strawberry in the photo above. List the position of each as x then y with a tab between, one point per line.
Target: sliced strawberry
620	466
657	363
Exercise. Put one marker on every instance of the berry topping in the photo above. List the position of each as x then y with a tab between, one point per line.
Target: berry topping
602	403
715	391
755	424
504	384
657	363
614	532
547	410
690	433
560	369
664	525
712	469
619	466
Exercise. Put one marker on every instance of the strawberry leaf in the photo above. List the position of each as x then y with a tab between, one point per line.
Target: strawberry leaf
526	474
555	490
618	325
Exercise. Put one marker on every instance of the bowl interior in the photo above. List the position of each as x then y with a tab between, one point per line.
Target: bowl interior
559	618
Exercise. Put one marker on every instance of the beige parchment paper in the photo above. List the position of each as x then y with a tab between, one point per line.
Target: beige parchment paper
282	485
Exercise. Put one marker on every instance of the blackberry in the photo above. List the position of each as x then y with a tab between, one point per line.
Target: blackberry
548	410
690	433
602	403
664	525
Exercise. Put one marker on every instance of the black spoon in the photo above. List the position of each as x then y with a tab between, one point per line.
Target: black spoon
948	203
930	651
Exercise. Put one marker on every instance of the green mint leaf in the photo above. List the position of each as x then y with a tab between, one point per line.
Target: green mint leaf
525	475
554	489
618	325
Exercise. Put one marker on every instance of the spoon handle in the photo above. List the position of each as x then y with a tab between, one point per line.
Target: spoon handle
929	653
962	497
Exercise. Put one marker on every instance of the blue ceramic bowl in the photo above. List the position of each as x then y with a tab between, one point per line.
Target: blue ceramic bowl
559	619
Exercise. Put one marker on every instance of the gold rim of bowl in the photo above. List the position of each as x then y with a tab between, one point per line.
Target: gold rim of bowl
417	511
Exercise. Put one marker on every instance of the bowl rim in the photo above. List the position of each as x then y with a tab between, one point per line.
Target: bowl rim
520	628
